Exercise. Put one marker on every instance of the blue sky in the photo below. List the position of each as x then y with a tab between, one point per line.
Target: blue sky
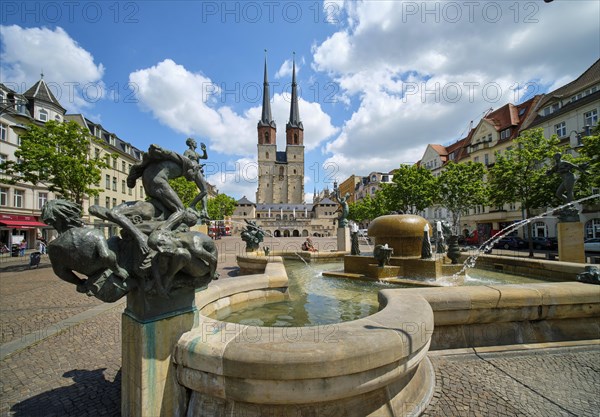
379	79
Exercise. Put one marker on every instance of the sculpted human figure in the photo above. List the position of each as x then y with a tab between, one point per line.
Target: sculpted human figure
566	170
158	166
181	256
344	209
252	235
196	174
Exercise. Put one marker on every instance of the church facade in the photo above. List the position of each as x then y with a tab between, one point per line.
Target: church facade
280	207
280	173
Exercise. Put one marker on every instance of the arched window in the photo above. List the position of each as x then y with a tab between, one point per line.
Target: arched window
295	138
43	115
267	139
592	229
267	155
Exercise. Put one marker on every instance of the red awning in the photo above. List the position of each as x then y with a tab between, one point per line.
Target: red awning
21	224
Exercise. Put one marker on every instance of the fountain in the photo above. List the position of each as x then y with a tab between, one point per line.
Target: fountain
405	235
179	359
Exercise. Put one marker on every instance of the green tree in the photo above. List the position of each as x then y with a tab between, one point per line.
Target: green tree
186	190
413	189
460	187
368	208
590	152
221	206
520	174
58	156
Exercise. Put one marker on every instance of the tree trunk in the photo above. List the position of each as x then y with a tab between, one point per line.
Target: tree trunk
529	233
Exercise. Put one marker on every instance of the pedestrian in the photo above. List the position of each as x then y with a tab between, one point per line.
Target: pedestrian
22	248
42	245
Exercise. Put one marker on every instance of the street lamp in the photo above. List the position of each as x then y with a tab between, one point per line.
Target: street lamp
17	108
587	130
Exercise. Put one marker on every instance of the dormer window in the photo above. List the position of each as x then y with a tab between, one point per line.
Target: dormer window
505	134
111	140
43	115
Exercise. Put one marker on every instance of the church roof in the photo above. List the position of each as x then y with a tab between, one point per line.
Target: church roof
244	201
294	121
266	117
284	207
326	201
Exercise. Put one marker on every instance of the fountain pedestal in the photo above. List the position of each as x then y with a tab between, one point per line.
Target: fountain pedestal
343	239
151	326
570	242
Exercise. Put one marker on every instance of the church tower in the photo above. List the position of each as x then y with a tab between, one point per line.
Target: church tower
267	147
294	135
280	174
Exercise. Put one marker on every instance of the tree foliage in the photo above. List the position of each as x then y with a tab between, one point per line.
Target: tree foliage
186	190
413	189
58	156
221	206
460	187
368	208
590	153
520	174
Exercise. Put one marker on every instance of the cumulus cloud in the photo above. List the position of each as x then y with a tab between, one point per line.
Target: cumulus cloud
188	102
73	76
234	177
421	71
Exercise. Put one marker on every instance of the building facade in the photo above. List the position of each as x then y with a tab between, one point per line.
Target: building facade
280	174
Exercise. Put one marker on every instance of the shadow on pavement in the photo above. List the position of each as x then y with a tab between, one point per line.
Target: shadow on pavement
91	395
21	267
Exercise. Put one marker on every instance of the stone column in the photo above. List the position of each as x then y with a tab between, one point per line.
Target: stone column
570	242
151	327
343	239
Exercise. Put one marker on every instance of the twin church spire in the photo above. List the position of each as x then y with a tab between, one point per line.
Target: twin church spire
294	123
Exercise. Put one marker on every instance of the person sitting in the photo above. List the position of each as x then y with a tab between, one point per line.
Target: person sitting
308	246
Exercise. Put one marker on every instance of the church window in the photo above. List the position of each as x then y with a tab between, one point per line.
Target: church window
280	173
294	171
295	138
267	137
267	156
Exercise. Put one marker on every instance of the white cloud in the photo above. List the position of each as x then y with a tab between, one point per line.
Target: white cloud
69	68
420	81
235	177
187	102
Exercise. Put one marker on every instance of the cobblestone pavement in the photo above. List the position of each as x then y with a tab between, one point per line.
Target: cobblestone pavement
563	381
77	371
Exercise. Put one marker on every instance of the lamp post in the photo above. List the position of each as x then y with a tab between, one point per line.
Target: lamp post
580	135
18	110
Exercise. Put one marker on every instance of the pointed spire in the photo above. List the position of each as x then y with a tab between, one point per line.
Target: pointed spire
294	111
266	118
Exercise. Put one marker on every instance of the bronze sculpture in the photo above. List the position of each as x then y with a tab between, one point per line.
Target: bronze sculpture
156	254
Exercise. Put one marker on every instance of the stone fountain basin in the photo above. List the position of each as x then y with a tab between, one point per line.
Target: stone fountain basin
373	366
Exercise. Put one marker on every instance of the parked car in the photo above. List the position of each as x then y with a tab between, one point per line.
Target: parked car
511	242
545	243
592	245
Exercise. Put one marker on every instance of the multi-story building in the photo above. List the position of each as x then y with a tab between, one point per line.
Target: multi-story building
348	186
369	185
571	112
21	203
120	156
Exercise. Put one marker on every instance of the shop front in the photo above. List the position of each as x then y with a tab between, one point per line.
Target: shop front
16	229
